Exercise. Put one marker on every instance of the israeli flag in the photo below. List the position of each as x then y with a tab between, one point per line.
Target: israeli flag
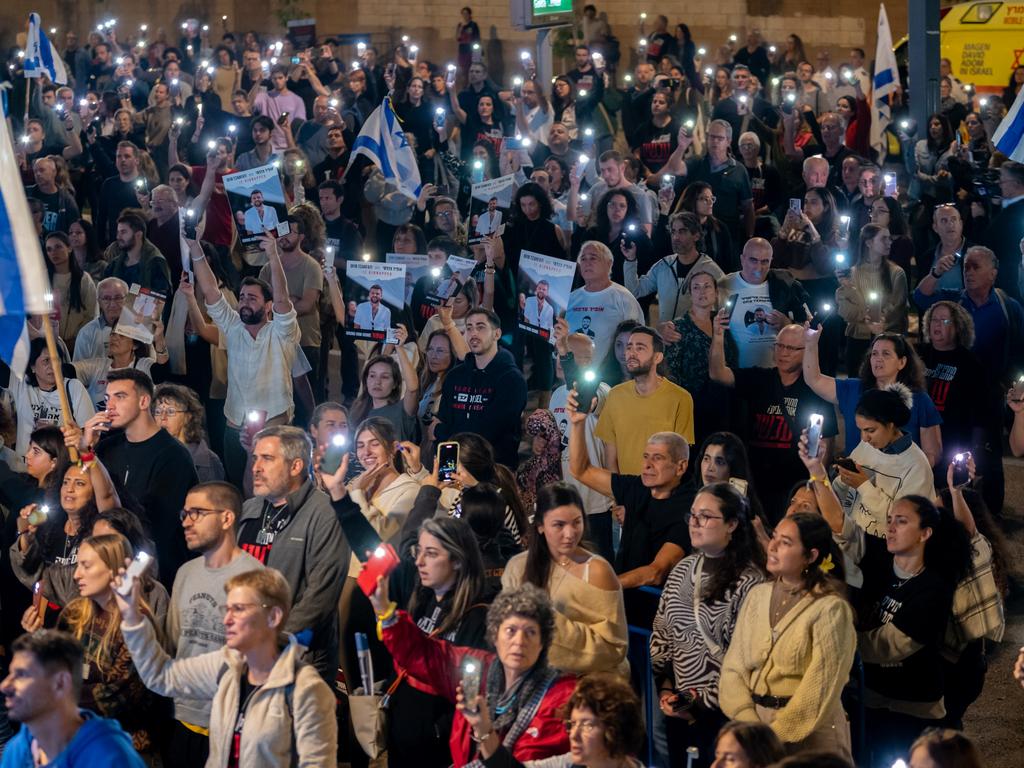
1009	137
24	286
886	83
384	142
40	56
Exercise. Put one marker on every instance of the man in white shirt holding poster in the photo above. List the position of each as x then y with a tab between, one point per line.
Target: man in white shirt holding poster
372	315
537	311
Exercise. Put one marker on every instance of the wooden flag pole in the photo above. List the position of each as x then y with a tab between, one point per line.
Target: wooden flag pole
58	376
28	100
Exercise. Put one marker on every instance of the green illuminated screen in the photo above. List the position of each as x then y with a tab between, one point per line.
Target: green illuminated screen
550	7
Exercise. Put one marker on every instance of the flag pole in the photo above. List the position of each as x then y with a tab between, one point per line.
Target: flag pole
58	377
28	98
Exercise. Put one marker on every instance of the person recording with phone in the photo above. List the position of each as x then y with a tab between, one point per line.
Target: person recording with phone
523	695
111	685
440	581
697	615
269	707
654	538
45	553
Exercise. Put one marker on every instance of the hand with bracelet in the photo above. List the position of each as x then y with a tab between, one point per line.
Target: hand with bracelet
479	719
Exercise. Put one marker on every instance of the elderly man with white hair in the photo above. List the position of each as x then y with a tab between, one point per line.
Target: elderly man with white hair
605	304
94	336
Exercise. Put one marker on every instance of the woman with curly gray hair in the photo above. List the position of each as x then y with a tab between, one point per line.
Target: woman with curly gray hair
520	702
955	380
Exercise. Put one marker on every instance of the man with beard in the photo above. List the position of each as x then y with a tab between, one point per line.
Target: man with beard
486	393
259	216
262	338
639	408
133	258
194	622
371	314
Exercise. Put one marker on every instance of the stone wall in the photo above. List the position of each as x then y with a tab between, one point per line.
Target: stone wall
432	22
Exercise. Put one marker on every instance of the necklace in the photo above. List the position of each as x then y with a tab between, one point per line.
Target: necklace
783	598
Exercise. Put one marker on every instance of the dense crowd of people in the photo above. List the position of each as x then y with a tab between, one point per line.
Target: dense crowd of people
255	537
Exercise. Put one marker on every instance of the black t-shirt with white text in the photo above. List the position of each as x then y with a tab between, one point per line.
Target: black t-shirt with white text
776	415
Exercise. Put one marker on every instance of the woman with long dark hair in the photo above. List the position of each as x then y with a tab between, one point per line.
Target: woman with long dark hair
590	617
903	609
618	226
563	105
886	212
890	359
697	615
381	394
873	298
86	248
46	553
74	290
699	198
441	584
794	642
558	172
931	155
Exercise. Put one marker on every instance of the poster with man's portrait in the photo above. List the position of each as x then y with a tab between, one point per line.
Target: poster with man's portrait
489	206
374	299
544	286
257	204
417	265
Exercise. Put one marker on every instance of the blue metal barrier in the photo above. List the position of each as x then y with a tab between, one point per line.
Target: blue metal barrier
639	655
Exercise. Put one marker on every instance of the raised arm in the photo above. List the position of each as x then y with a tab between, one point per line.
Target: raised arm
823	386
204	275
597	478
411	398
717	366
458	341
207	331
278	282
676	164
202	200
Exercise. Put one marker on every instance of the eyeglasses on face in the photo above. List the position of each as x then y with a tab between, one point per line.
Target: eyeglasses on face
168	411
700	519
194	513
586	727
787	347
239	609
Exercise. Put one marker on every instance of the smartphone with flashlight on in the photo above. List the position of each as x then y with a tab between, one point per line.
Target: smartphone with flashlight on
333	453
586	390
814	424
447	461
135	570
383	560
961	476
188	224
471	677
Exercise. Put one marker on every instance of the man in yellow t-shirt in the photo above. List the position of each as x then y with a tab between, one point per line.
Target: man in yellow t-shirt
643	406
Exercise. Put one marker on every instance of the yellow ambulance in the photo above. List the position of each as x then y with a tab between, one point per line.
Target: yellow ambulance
984	41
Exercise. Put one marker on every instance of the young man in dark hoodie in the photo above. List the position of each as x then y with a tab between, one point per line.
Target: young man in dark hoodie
42	690
485	393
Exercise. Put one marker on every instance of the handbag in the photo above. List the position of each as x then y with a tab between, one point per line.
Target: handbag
369	718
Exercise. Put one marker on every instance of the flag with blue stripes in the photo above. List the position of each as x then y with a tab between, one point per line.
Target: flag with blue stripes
383	140
884	85
40	56
1009	136
24	285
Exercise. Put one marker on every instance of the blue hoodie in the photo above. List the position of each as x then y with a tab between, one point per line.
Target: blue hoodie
99	742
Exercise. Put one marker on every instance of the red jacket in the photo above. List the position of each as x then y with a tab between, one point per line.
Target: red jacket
436	663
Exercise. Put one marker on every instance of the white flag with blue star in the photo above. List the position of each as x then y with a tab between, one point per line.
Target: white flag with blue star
383	140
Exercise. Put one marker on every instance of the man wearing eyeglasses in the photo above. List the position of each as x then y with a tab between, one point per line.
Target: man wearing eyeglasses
94	337
779	405
730	183
194	620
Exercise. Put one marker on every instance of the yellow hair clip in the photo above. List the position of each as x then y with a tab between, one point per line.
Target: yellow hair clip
826	565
